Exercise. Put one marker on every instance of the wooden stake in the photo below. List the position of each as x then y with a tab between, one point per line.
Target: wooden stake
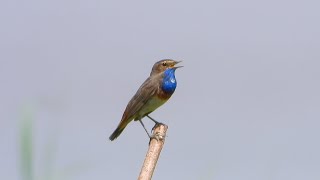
155	146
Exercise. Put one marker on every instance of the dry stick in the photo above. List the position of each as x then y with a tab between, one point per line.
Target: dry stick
155	147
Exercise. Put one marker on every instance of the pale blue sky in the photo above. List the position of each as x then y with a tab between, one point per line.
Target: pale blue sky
247	105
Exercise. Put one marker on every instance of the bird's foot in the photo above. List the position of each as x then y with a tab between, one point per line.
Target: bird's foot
158	136
157	125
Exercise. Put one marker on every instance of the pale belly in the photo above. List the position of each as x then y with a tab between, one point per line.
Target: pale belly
150	106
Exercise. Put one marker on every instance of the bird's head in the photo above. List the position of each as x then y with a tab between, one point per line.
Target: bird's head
163	65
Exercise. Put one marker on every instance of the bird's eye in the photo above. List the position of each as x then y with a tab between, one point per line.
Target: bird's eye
164	64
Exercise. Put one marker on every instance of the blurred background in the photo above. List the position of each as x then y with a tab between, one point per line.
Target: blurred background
247	105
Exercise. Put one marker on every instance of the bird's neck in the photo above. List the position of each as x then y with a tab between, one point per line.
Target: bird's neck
169	82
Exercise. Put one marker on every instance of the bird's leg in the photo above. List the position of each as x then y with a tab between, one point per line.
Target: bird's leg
145	128
153	120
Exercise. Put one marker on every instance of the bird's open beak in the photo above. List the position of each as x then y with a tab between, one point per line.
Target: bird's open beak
176	67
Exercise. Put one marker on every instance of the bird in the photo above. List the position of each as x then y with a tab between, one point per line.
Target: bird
154	92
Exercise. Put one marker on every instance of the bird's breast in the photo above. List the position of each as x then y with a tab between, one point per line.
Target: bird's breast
151	105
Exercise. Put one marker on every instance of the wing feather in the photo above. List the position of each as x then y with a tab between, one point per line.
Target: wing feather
148	89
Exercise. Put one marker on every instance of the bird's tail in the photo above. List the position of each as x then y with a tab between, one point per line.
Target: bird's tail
119	130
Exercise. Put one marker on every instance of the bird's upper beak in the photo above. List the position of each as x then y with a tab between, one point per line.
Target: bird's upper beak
176	67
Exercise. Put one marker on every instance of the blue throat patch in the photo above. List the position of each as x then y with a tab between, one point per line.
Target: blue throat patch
169	82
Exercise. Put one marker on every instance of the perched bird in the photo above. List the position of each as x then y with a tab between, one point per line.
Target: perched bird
153	93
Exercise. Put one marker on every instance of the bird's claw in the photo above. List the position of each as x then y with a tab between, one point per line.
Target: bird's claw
158	136
156	125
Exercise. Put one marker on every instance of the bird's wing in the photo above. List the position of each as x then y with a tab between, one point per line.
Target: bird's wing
148	89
